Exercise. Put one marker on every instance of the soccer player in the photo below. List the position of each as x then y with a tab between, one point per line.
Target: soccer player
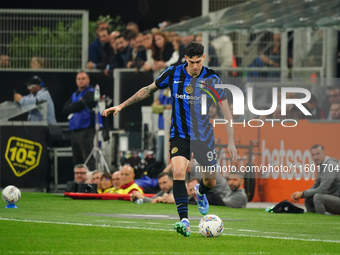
191	130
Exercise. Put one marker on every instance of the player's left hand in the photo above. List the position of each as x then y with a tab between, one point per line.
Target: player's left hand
114	110
232	151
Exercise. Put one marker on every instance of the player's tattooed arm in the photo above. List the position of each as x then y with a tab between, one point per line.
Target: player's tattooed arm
141	95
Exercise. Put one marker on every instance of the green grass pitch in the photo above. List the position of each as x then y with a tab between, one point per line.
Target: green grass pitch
52	224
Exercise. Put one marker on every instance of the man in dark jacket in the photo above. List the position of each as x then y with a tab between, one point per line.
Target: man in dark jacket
79	109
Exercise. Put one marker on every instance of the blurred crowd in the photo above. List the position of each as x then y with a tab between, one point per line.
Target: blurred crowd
155	50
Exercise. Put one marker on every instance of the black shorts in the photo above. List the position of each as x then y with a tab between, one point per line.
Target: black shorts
204	151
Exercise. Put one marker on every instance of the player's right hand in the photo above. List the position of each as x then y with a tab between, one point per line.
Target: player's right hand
114	110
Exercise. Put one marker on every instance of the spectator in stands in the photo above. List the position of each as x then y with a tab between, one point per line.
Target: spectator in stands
269	47
334	112
133	26
112	58
224	51
295	113
128	183
187	39
237	198
116	180
174	38
165	182
5	61
113	37
106	51
147	42
123	50
179	48
327	182
79	109
314	109
38	62
95	177
272	56
333	94
80	173
137	55
105	184
95	48
180	43
162	52
213	60
38	94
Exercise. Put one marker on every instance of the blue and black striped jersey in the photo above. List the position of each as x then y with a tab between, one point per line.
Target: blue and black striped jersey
187	121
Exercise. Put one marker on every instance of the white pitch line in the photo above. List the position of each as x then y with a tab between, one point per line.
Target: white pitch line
247	230
128	222
170	230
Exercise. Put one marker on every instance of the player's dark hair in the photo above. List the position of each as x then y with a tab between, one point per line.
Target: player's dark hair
194	49
316	146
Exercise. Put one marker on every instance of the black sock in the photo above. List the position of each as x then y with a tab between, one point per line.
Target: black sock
181	198
202	188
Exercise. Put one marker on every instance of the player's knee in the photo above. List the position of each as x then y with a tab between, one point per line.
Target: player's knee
178	173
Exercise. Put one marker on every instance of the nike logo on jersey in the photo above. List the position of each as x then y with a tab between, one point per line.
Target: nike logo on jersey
177	81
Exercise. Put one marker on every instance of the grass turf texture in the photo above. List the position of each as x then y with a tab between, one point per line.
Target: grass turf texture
53	224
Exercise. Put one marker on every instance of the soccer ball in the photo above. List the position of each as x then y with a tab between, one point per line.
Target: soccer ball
210	226
11	194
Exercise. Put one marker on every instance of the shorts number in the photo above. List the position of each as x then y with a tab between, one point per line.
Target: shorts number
212	155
